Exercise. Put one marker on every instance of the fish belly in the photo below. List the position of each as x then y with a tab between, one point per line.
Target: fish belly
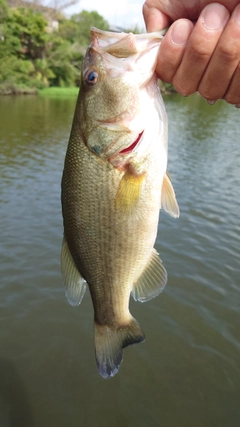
109	243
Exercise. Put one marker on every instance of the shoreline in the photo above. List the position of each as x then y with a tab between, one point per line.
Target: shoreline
63	91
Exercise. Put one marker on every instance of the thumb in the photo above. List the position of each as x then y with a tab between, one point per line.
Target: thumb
155	20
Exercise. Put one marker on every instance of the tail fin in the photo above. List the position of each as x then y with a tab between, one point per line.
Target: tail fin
109	344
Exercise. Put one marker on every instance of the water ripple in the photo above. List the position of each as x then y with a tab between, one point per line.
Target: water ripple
191	356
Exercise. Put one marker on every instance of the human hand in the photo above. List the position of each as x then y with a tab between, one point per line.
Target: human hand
202	56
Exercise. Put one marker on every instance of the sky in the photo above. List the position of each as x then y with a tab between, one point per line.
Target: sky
122	13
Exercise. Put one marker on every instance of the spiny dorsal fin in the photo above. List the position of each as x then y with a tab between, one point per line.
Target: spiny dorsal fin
74	283
169	202
152	281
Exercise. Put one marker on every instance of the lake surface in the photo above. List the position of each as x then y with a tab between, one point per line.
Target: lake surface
187	372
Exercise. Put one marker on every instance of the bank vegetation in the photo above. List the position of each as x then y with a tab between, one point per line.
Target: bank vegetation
40	47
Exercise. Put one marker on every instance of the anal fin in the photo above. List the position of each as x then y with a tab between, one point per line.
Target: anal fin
152	281
74	283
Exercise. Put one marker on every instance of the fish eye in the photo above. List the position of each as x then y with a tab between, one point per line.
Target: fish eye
91	77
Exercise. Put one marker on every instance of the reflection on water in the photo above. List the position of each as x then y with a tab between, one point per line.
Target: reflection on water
14	407
187	373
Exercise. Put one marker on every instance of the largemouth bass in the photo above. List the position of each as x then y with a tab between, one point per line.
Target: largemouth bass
113	186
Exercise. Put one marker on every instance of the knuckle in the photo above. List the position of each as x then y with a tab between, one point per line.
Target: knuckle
229	52
184	87
237	71
206	93
231	98
200	53
164	73
211	89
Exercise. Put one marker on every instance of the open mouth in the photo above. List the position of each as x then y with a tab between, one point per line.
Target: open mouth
132	146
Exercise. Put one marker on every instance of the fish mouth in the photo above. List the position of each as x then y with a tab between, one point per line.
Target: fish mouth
131	147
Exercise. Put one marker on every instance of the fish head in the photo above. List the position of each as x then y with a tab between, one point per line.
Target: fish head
121	107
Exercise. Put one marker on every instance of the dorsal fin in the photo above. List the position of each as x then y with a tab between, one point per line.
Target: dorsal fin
152	281
168	199
74	283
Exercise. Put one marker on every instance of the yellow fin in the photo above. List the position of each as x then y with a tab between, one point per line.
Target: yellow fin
74	283
152	281
129	190
169	202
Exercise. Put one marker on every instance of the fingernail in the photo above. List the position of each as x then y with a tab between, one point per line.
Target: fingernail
214	16
236	14
181	31
211	102
237	105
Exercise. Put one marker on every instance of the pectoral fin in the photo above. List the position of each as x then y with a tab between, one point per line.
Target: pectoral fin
152	281
169	202
74	283
129	191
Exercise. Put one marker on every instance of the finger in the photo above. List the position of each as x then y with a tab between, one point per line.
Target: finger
172	49
155	20
200	48
223	62
232	94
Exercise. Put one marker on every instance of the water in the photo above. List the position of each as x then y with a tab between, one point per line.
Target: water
187	373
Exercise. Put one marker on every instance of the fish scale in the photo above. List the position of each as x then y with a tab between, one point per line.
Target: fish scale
111	197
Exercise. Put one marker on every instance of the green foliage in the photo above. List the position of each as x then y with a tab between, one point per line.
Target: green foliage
64	62
24	33
16	75
42	72
68	30
3	11
31	57
83	22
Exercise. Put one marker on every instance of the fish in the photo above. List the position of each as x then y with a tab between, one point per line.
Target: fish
114	184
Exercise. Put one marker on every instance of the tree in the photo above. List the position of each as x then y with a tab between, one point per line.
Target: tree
81	24
23	41
32	57
24	34
63	60
53	9
68	46
3	11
